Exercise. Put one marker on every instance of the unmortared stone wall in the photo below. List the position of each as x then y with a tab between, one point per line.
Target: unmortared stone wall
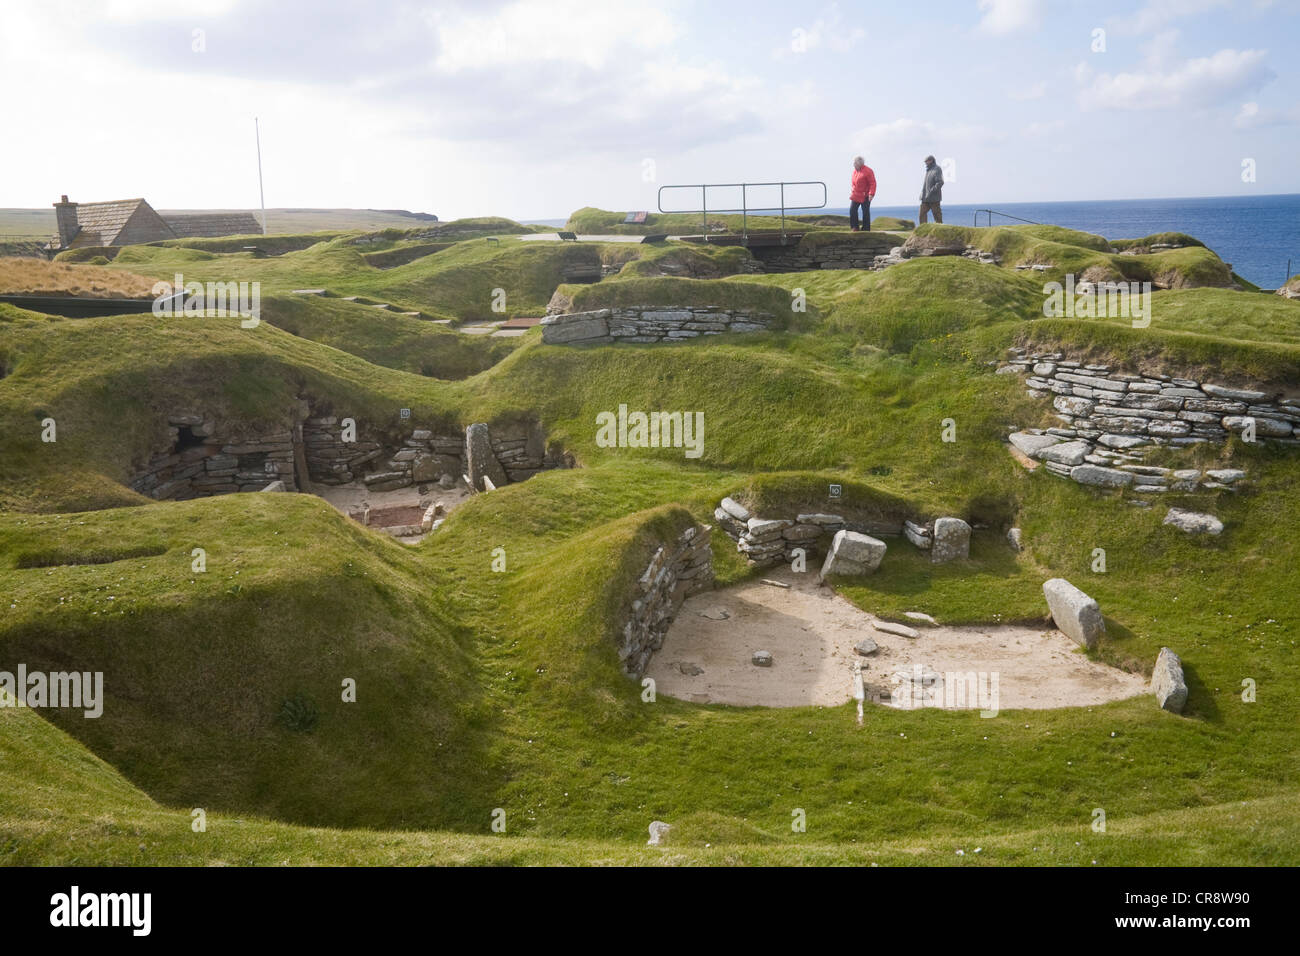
1109	417
212	465
678	569
314	451
650	324
850	251
768	541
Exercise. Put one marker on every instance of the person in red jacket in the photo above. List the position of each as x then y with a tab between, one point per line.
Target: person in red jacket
862	189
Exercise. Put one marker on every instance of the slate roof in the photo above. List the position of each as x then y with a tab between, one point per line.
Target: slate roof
207	225
101	222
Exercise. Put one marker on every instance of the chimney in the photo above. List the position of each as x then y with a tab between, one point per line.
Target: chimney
66	214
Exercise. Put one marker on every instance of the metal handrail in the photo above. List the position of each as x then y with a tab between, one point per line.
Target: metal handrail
993	212
744	202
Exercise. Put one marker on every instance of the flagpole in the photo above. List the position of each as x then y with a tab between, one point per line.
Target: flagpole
260	193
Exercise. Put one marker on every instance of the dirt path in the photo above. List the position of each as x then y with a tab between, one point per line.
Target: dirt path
811	633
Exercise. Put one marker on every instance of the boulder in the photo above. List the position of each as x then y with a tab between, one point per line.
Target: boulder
481	462
659	833
1226	475
576	327
1101	477
1015	538
1193	522
866	647
1066	453
1076	614
1264	427
424	467
932	246
1168	683
1030	443
762	659
951	539
735	509
852	553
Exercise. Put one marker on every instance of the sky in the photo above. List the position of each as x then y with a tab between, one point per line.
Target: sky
534	108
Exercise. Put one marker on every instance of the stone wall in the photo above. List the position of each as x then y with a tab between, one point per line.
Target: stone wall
850	251
197	463
768	541
678	569
650	324
1109	417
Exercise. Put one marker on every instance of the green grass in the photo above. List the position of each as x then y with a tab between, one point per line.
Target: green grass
478	690
892	224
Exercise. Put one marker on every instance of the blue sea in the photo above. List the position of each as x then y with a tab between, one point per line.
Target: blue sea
1257	234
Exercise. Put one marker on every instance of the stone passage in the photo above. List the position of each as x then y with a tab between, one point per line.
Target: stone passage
677	570
197	463
646	324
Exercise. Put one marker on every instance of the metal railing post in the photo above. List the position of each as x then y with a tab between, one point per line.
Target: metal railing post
783	212
744	212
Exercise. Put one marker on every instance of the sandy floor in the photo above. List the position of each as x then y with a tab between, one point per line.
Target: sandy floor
355	497
811	633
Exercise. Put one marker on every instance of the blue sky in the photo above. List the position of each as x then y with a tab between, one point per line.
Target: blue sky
532	109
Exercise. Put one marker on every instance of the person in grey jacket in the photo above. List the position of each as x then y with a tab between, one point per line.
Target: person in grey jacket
931	192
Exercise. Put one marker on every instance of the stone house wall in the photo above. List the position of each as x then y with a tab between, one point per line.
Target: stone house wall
677	570
650	324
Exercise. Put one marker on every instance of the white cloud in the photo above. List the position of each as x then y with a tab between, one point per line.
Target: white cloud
829	30
1009	16
1252	116
571	31
1198	82
1159	13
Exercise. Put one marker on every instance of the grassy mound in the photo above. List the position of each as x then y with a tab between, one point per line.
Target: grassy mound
892	224
916	300
39	277
666	291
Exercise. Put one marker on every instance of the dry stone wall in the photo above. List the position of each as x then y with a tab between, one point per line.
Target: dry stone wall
677	570
1109	418
768	541
195	462
650	324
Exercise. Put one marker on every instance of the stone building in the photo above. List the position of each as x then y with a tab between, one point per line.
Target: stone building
125	222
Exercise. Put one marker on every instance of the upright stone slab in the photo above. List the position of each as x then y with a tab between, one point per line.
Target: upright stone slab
480	461
1168	683
852	553
951	540
1076	614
